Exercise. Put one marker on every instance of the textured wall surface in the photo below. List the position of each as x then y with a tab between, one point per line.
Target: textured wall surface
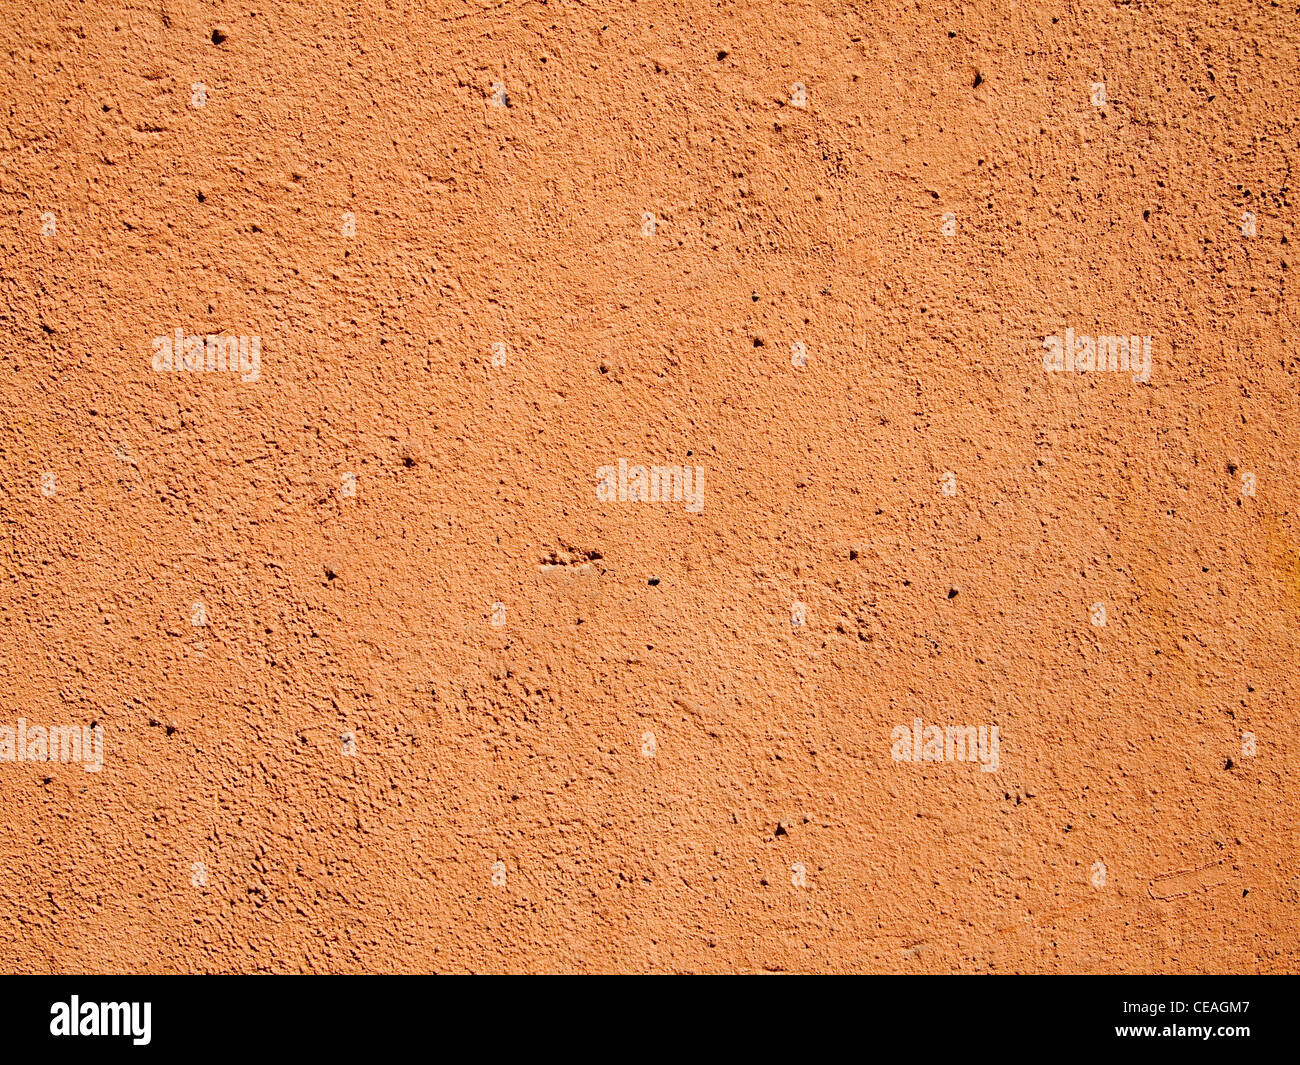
391	668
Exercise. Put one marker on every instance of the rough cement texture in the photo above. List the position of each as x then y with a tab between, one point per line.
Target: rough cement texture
675	745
